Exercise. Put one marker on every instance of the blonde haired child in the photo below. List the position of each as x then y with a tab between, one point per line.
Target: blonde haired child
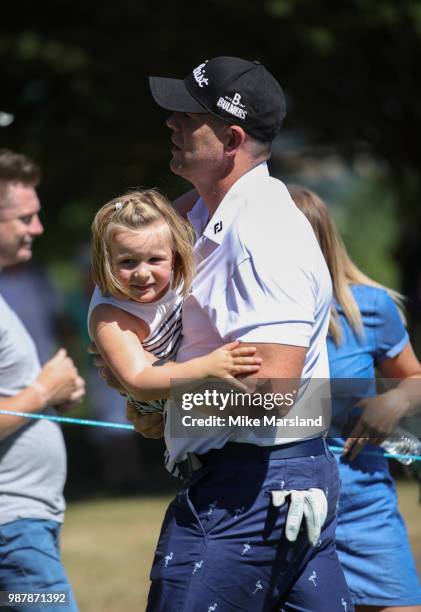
142	263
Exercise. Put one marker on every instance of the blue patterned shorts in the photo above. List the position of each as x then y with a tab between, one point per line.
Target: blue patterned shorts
222	546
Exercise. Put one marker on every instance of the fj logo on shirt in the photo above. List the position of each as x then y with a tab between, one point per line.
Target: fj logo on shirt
233	106
217	227
199	75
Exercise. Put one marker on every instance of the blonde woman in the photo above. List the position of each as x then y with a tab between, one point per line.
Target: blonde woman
366	332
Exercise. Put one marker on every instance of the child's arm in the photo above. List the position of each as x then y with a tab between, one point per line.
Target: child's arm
118	336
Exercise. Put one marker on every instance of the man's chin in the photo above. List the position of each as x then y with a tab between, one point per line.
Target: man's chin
9	262
174	165
23	255
177	167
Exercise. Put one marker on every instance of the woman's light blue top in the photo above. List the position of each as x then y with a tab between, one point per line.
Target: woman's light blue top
356	358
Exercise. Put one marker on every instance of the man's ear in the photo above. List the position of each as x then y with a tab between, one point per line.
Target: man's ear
234	139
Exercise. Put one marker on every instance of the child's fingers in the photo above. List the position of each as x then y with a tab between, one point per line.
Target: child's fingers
247	361
230	346
245	369
242	351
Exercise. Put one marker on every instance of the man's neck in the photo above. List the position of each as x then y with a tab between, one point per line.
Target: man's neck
212	193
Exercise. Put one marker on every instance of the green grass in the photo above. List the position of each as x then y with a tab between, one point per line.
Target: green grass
108	547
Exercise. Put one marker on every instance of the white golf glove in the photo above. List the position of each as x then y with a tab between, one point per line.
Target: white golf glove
312	504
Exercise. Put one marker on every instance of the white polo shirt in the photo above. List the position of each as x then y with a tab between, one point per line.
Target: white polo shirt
260	277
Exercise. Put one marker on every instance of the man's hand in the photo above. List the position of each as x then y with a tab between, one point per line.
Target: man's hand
59	381
148	425
75	398
312	504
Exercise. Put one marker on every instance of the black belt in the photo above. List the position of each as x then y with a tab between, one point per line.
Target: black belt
236	451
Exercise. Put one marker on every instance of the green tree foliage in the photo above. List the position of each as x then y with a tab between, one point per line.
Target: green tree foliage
368	227
75	77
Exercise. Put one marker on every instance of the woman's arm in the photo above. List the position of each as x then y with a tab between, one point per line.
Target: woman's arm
382	413
118	336
407	369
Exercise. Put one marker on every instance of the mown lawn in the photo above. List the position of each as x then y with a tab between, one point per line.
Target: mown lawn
108	547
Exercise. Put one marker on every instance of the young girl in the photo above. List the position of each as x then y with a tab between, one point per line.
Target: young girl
142	264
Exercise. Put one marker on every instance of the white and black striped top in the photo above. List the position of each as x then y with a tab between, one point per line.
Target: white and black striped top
164	320
164	342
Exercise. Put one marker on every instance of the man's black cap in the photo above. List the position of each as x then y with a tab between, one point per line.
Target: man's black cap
235	90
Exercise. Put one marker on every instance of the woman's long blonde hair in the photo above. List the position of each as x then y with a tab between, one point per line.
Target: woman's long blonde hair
342	269
134	210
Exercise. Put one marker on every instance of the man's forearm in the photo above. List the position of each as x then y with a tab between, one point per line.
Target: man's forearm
28	400
280	371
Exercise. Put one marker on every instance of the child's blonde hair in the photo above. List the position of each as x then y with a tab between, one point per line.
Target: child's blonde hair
134	210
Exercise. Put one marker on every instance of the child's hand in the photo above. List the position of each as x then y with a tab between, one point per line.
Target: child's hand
232	360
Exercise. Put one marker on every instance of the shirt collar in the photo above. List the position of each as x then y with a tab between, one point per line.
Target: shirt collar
199	217
215	228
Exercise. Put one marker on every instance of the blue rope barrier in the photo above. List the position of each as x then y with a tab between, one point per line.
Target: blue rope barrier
92	423
73	421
